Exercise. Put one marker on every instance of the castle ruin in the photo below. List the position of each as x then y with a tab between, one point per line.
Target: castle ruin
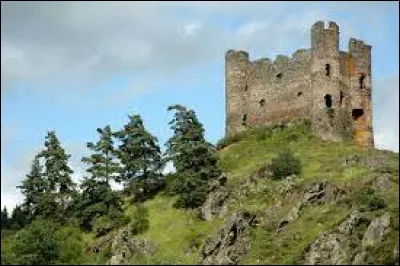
329	87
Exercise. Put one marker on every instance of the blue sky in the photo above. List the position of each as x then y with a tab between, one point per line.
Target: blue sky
76	66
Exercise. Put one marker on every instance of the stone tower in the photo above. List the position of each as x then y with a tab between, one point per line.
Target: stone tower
330	87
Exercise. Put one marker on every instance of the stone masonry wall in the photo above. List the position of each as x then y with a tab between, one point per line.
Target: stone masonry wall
321	84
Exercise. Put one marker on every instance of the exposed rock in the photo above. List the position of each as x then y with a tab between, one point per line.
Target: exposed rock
216	199
214	204
124	246
382	182
327	249
229	244
334	248
321	192
375	232
372	161
350	223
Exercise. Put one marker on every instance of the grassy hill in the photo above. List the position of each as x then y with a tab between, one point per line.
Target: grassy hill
178	235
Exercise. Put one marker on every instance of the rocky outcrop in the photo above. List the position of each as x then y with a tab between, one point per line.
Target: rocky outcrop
215	204
124	246
318	193
378	228
372	161
328	249
334	248
337	247
230	244
382	182
374	234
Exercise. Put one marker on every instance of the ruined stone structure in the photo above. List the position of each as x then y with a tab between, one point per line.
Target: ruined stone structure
329	87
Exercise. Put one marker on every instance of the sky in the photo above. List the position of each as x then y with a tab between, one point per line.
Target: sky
75	66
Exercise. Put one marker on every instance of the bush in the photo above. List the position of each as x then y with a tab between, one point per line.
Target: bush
140	220
285	164
36	244
73	246
103	225
367	199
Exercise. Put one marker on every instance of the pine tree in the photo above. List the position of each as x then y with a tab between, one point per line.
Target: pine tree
103	164
58	176
33	187
187	148
139	151
4	218
193	157
97	199
19	218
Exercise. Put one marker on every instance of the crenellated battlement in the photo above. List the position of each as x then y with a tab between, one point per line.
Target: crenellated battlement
321	83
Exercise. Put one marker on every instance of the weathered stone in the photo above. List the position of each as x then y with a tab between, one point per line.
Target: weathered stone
214	204
330	87
321	192
229	244
382	182
327	249
124	246
375	232
333	248
350	223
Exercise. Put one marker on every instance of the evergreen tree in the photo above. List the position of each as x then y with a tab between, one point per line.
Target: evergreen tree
33	188
4	218
193	157
187	148
139	151
97	199
61	188
19	218
103	164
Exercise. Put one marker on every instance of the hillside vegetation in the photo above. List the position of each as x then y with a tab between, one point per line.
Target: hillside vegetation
350	182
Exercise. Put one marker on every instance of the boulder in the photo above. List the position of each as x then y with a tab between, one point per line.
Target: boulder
375	232
327	249
333	248
382	182
124	246
214	204
229	245
321	192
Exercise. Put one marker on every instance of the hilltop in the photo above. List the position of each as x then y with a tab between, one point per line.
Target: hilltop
342	208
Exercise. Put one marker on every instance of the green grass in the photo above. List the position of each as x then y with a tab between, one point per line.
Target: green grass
179	234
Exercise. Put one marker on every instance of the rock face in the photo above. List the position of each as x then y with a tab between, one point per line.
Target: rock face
337	248
319	193
216	199
328	249
382	182
334	248
378	228
229	244
124	246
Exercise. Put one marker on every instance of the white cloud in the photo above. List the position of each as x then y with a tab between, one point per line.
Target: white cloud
385	102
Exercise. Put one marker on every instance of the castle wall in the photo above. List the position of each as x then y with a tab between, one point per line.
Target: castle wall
322	84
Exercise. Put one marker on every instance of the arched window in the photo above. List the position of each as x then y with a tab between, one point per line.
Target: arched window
328	101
